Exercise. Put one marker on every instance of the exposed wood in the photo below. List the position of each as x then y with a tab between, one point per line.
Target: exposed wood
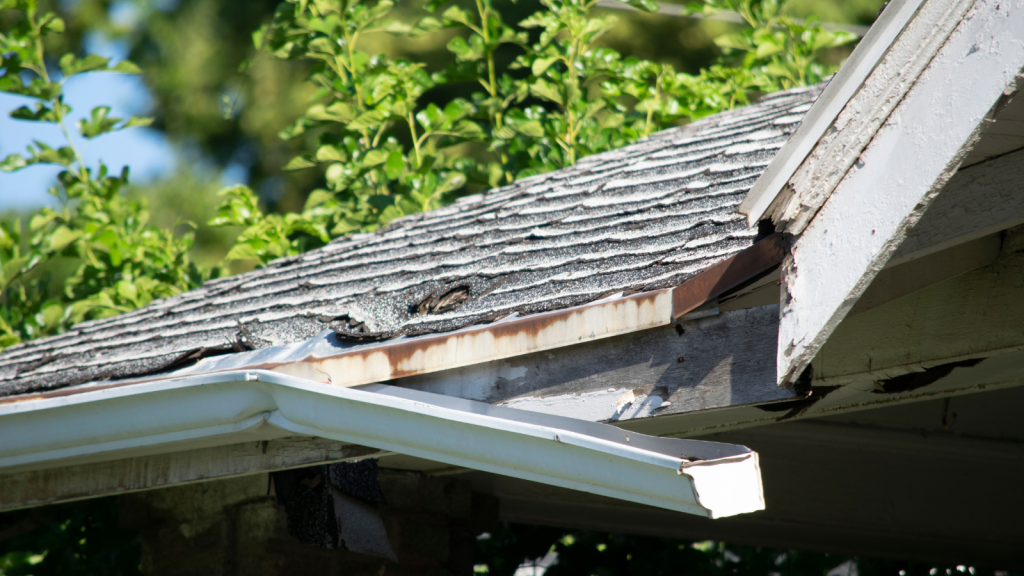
709	363
53	485
881	198
976	202
838	149
897	279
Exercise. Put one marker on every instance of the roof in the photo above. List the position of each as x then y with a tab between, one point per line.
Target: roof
641	218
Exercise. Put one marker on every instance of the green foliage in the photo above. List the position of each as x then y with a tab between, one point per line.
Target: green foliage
80	538
388	149
96	255
783	51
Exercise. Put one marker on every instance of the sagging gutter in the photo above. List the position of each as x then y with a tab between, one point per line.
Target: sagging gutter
704	478
342	364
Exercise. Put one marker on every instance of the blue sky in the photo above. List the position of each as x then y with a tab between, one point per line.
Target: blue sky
147	151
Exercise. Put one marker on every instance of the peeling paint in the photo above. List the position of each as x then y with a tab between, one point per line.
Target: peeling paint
608	405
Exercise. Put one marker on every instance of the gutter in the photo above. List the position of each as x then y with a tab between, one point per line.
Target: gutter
703	478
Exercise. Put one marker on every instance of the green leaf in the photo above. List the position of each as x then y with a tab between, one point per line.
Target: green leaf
469	129
645	5
62	237
374	157
540	65
71	65
299	163
457	15
331	153
531	128
395	164
547	90
137	121
12	268
42	113
51	23
126	67
98	123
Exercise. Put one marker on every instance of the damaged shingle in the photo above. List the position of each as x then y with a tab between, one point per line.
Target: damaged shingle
644	217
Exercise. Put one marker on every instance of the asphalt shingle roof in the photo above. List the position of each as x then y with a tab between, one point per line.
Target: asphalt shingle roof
643	217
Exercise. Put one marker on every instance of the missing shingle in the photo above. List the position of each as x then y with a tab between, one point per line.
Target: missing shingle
439	302
353	329
246	340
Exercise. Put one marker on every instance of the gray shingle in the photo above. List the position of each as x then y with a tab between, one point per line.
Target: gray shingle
644	217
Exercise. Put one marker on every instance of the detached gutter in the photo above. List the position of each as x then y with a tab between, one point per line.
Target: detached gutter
703	478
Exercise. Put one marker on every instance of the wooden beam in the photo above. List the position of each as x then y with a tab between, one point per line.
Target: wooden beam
979	314
708	363
894	180
54	485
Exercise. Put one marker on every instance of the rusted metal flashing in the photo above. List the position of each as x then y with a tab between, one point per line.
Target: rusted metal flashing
727	274
514	336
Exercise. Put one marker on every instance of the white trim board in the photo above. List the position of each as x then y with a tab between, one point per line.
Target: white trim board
841	88
900	172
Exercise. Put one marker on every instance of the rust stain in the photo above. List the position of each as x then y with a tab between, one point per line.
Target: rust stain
727	274
403	358
500	340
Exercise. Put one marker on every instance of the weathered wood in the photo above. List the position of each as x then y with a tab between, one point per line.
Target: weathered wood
888	35
892	282
976	202
885	193
53	485
838	149
714	362
975	315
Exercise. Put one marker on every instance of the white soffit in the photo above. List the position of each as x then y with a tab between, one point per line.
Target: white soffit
827	107
704	478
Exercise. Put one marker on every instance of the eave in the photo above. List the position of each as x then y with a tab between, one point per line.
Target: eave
703	478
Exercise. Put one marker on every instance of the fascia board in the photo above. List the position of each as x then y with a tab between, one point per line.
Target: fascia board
704	478
900	172
823	113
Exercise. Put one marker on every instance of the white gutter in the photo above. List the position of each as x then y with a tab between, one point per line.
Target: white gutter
704	478
865	57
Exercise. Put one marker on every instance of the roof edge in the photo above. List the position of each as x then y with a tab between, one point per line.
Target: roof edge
837	94
329	360
697	477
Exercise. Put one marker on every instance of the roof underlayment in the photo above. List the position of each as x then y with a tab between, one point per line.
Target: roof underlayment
641	218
